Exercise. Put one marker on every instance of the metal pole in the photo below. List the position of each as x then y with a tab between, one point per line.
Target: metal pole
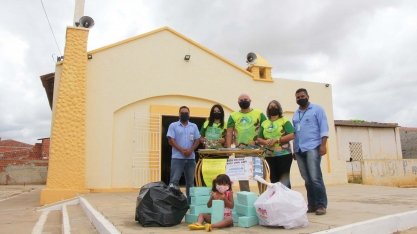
79	10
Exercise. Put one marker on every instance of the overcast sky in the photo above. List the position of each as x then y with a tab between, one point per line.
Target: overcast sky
367	50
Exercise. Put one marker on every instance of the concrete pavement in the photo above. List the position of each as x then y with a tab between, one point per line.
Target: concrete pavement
352	208
17	214
348	204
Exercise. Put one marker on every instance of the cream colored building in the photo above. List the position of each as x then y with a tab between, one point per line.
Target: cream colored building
373	153
111	111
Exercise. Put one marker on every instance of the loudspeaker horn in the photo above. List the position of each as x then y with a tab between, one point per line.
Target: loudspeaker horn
251	58
86	22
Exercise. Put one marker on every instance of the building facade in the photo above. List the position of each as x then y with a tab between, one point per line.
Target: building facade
114	104
373	153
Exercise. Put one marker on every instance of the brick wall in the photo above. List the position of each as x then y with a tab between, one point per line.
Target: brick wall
12	145
45	148
24	165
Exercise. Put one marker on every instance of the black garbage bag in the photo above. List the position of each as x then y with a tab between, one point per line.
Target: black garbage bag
160	206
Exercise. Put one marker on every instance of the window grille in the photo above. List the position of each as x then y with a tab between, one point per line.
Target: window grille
356	151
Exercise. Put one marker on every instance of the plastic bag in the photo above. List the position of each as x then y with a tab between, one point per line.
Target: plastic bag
281	206
160	206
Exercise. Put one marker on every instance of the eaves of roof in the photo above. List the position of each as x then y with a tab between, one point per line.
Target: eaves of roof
348	123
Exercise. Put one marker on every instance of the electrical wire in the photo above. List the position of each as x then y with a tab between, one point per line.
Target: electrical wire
51	29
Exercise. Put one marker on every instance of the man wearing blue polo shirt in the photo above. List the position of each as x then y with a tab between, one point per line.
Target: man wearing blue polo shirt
311	133
184	137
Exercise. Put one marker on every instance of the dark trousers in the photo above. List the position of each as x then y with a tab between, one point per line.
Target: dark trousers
280	167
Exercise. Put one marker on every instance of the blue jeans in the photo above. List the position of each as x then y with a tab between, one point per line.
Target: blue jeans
309	165
178	166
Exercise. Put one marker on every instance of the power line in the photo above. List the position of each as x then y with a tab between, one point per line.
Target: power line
51	29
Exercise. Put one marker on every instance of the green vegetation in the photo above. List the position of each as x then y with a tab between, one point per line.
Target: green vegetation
357	121
357	179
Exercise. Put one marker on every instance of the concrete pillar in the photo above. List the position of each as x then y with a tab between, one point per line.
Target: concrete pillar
67	156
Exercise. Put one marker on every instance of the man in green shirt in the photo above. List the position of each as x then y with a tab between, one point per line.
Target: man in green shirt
242	129
244	125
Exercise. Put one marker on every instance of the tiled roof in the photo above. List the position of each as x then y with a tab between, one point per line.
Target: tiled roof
48	81
13	143
364	124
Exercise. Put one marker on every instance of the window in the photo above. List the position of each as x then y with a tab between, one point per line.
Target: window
355	151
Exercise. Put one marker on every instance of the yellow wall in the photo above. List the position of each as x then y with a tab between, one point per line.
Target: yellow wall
66	171
123	129
150	70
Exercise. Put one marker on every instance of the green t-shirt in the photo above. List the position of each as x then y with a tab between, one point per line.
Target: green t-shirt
275	130
246	128
212	134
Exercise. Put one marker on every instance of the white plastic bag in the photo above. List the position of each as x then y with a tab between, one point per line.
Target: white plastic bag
281	206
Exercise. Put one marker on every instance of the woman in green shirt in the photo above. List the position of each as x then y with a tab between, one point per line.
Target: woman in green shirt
213	132
275	135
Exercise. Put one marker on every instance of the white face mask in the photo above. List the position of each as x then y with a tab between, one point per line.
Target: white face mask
222	188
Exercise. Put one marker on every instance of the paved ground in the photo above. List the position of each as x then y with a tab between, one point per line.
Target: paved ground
17	213
347	204
7	191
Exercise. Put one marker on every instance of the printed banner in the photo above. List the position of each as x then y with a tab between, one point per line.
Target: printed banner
212	168
244	168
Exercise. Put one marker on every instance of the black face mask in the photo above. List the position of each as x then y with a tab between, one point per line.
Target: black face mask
302	102
244	104
273	111
217	115
184	117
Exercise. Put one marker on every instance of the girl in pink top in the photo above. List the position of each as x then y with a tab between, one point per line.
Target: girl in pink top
222	190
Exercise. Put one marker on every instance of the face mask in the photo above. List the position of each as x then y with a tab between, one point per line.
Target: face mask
302	102
184	117
217	115
222	188
273	111
244	104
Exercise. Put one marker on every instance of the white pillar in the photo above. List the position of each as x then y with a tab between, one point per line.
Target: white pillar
79	10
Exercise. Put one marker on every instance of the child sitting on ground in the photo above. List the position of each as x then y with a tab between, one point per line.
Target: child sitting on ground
222	190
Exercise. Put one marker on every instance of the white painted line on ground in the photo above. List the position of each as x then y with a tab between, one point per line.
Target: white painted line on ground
13	196
66	228
59	205
102	225
37	229
386	224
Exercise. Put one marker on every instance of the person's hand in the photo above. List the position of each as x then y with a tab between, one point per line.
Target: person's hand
270	142
202	140
214	196
218	196
188	152
323	150
221	140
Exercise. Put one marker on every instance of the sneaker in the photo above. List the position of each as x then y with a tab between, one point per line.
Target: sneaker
311	209
208	227
321	211
196	226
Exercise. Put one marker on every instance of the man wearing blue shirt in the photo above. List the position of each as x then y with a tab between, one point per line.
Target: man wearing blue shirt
184	137
311	133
